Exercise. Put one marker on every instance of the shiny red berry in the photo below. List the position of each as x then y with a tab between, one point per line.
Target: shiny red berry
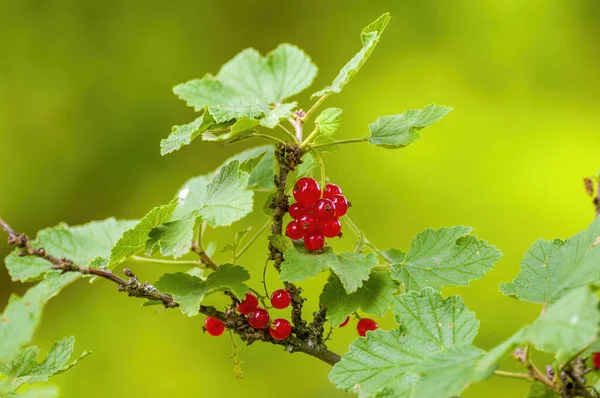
214	326
281	329
297	210
345	322
324	210
281	299
307	191
364	325
307	224
596	359
314	241
331	190
330	228
294	231
249	304
259	318
341	205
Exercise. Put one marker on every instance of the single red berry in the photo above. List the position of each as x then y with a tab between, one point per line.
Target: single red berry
345	322
364	325
259	318
307	224
330	228
294	231
341	205
249	304
314	241
281	329
596	359
281	299
307	191
324	209
297	210
214	326
331	190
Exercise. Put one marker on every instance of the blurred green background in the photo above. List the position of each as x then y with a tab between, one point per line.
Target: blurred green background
85	97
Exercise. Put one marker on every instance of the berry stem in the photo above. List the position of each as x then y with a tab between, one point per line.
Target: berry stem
514	375
252	240
167	262
321	166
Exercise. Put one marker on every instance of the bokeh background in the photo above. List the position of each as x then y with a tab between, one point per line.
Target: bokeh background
85	97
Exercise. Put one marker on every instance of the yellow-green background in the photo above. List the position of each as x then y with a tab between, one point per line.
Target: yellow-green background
85	97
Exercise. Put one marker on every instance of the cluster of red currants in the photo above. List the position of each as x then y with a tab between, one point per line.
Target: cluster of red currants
316	215
258	317
363	325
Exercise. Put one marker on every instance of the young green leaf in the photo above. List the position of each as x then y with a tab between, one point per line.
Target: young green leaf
263	172
281	243
351	268
185	134
188	291
370	37
398	359
550	269
539	390
241	126
135	238
399	131
280	112
374	297
329	121
445	257
173	238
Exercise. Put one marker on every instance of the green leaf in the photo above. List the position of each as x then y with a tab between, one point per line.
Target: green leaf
399	131
308	165
280	112
173	238
22	315
135	238
235	243
185	134
399	359
281	243
82	244
41	392
445	257
394	255
550	269
539	390
221	199
329	121
25	369
351	268
370	37
374	297
189	291
263	172
236	130
282	73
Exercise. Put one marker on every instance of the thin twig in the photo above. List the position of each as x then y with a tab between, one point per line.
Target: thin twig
341	142
253	239
315	106
166	262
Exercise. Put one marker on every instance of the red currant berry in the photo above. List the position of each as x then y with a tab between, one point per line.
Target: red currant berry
307	224
259	318
294	231
345	322
249	304
281	329
307	191
297	210
341	205
281	299
214	326
596	359
330	228
314	241
364	325
324	209
331	190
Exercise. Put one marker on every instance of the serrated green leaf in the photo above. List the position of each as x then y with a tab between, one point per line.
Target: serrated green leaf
235	243
308	165
135	238
280	112
189	291
399	131
281	243
394	255
263	172
235	131
282	73
185	134
267	209
82	244
374	297
22	315
173	238
370	37
351	268
539	390
550	269
398	359
329	121
445	257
